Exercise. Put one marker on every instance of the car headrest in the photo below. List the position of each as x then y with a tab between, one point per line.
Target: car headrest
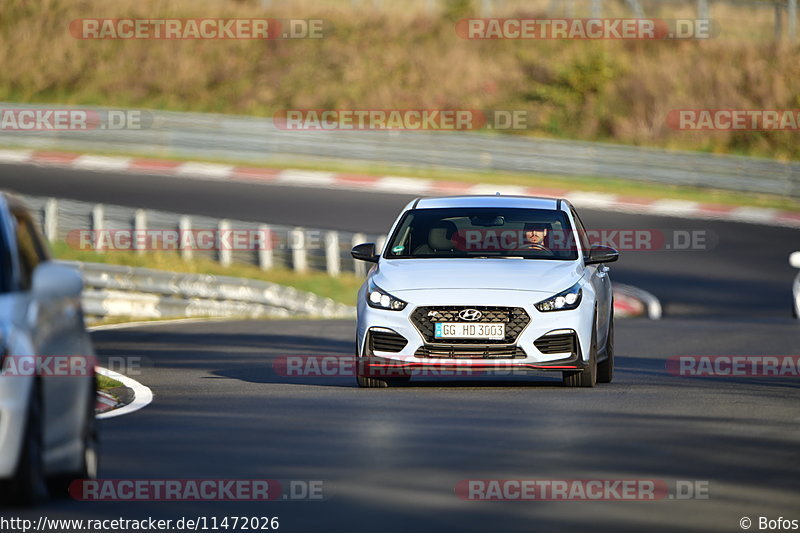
440	236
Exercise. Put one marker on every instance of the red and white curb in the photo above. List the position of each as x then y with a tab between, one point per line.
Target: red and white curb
397	184
142	396
630	301
105	402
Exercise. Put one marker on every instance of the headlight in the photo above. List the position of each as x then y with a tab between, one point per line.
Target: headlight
380	299
563	301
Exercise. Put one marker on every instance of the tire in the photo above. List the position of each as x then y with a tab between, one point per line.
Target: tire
587	377
605	369
371	383
367	382
59	485
28	486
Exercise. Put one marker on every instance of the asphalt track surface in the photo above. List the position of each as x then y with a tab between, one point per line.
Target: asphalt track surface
392	458
744	270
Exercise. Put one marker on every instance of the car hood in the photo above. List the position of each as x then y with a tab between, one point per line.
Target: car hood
545	276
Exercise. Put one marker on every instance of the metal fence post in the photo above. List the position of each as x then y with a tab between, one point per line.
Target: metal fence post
139	228
51	220
702	9
636	7
778	21
184	231
792	29
297	240
359	267
266	259
97	225
597	9
332	253
224	253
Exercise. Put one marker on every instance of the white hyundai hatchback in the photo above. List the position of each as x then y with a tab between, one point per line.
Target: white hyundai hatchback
486	284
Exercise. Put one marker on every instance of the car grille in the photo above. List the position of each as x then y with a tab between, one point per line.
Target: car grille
386	341
469	352
551	344
515	319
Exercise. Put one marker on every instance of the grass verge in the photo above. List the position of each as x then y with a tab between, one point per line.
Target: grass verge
341	289
386	55
105	383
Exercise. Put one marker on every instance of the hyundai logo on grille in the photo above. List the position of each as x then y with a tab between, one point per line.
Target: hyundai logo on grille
469	314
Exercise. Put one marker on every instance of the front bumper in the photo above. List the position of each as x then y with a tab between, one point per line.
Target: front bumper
424	356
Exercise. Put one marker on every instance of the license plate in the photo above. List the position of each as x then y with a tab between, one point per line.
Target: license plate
472	330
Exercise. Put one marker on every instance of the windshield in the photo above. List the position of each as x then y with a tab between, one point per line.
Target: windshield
478	232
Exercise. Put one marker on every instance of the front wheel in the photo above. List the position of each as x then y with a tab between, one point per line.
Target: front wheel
369	382
588	377
90	444
365	382
605	370
28	486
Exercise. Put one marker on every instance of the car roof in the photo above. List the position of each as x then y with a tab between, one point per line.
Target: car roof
526	202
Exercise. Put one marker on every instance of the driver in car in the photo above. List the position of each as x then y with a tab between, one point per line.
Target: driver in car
536	235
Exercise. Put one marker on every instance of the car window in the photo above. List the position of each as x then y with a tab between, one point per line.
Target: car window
483	232
30	249
582	235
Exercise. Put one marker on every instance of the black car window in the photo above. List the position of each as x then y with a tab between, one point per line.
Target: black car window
480	232
31	250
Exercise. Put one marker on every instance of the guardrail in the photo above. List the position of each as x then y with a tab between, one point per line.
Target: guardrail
296	248
119	291
236	138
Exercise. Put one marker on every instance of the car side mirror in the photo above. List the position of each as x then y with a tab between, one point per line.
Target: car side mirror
365	252
601	254
794	259
53	280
